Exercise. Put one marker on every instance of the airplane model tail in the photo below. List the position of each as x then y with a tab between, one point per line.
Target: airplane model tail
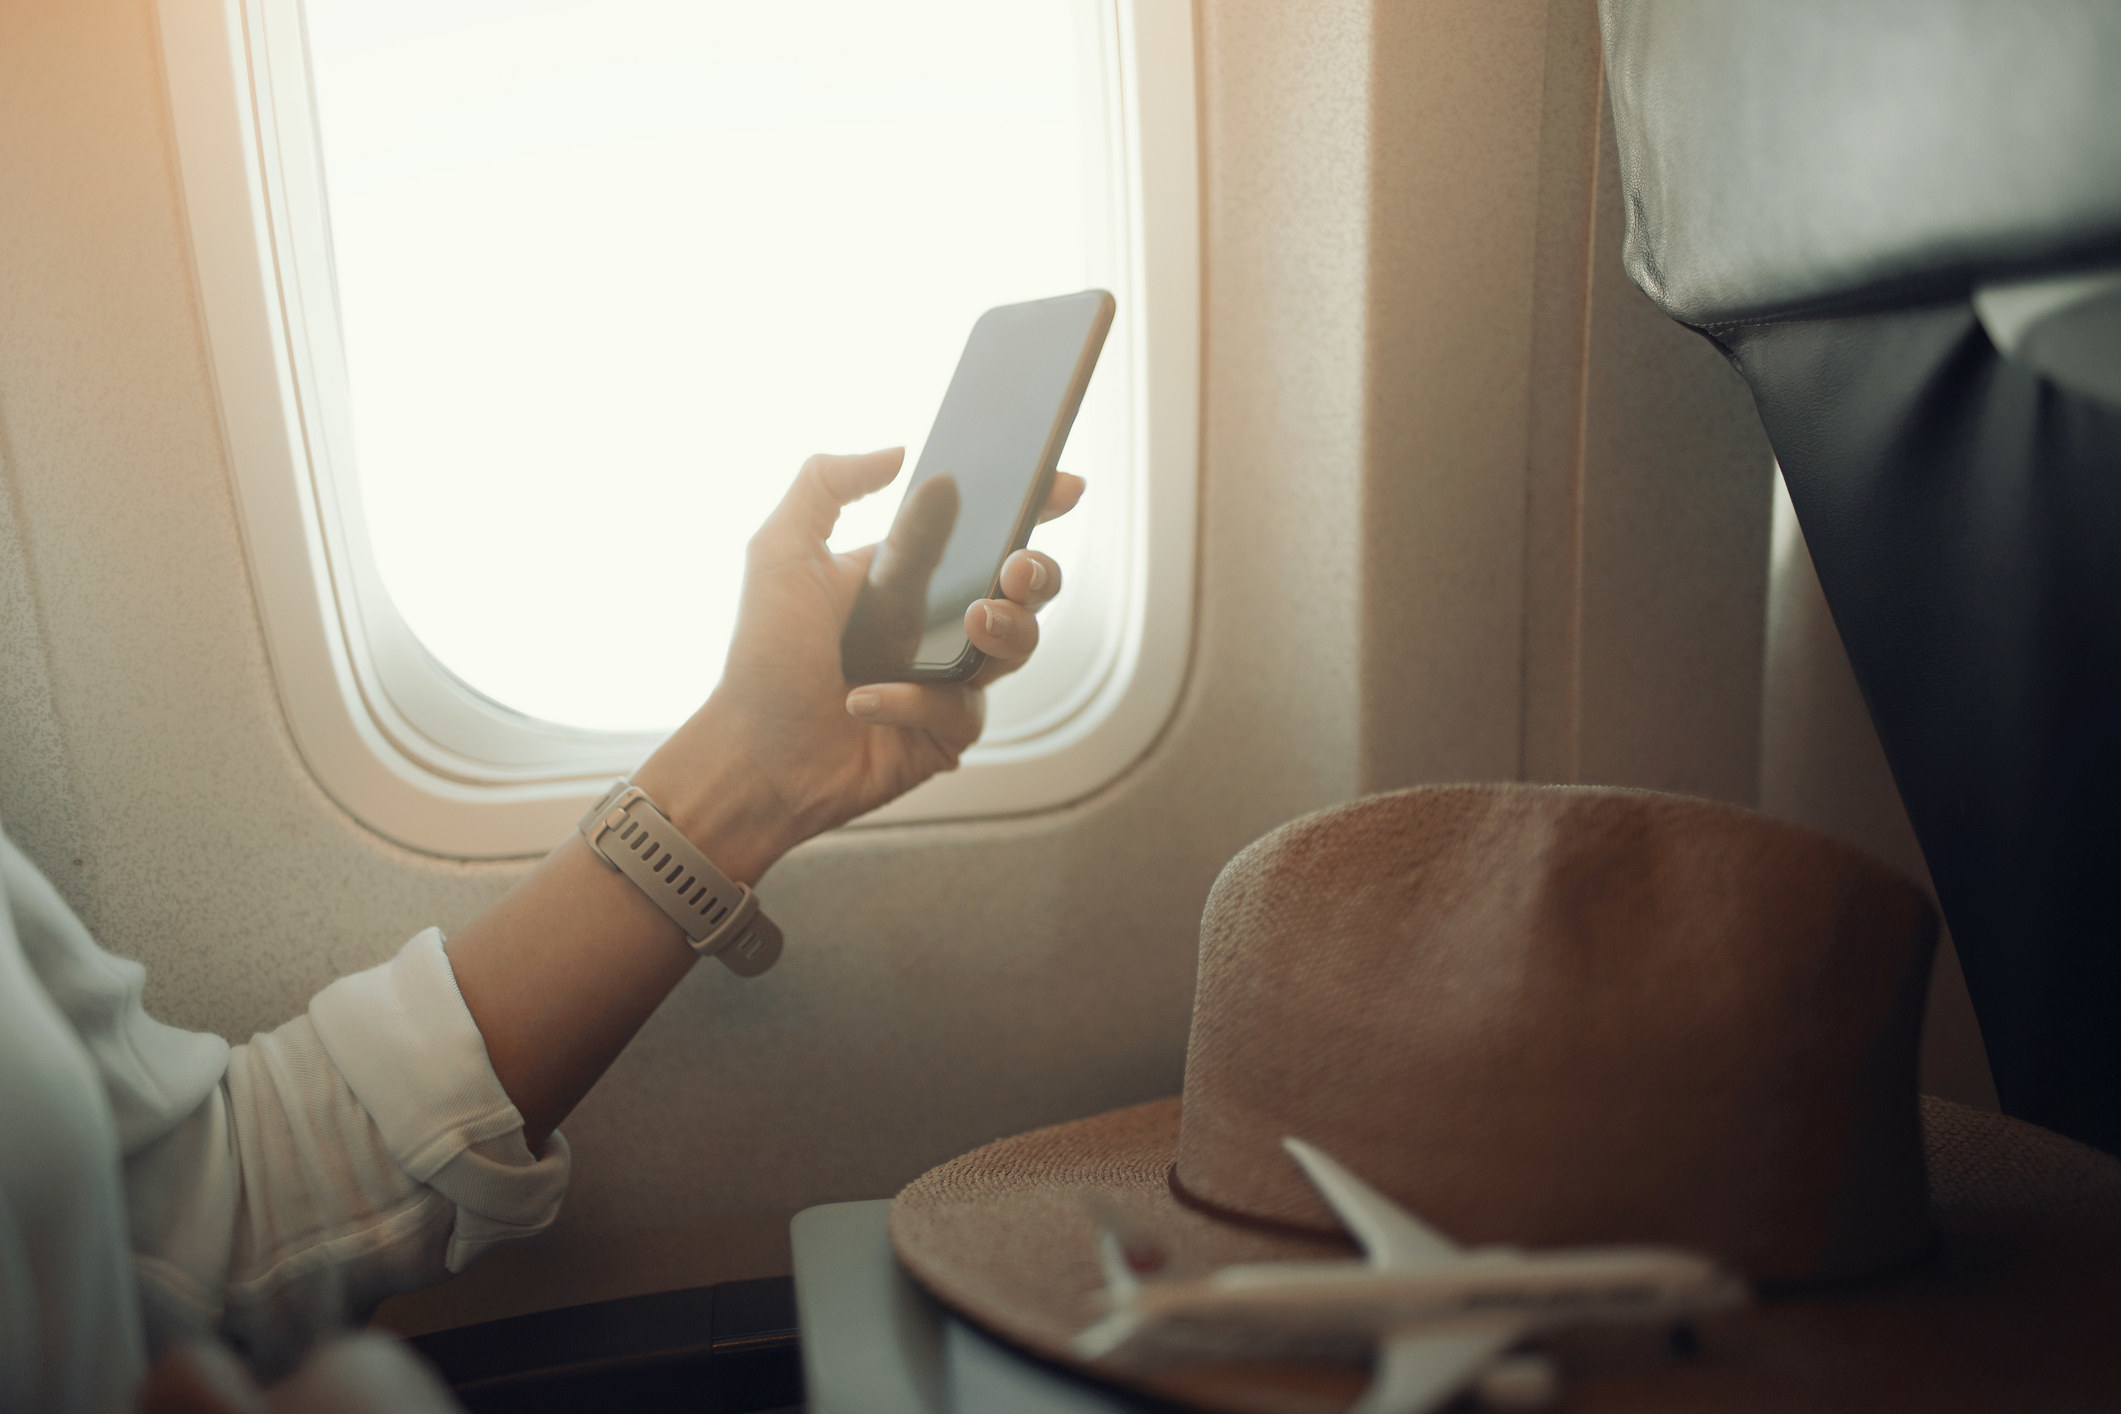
1391	1237
1122	1290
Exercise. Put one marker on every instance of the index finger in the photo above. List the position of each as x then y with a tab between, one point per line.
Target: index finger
1067	489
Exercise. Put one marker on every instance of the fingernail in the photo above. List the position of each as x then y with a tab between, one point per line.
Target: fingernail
1038	576
864	704
994	620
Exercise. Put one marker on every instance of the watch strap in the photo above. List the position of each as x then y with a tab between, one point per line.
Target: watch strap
720	917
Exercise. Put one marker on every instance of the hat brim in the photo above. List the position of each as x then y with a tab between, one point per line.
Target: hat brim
2020	1301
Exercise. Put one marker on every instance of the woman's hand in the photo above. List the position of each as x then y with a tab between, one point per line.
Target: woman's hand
562	970
783	750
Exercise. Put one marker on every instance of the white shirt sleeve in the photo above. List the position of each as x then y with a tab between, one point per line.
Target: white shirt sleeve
362	1150
273	1190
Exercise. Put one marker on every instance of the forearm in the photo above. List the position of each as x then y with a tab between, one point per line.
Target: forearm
562	971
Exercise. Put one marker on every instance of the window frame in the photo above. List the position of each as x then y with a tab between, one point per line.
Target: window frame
389	733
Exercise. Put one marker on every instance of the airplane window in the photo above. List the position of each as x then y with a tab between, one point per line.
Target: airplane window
607	270
523	312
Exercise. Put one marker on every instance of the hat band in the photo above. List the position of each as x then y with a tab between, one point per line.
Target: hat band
1237	1217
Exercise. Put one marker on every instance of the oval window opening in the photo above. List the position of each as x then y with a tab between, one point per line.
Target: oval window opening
607	272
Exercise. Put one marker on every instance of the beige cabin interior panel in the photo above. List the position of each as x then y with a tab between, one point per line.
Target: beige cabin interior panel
1451	473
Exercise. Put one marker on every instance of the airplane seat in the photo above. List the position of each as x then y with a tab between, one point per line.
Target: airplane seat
1901	222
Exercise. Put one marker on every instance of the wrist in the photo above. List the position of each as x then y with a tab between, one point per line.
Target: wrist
720	802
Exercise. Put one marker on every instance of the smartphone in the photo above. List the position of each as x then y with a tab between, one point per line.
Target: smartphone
980	485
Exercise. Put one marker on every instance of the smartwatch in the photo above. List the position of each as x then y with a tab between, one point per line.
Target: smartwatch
720	917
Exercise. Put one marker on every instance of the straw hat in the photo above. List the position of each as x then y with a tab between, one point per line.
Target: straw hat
1556	1016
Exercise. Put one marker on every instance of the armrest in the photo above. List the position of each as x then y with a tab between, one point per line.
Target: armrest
726	1349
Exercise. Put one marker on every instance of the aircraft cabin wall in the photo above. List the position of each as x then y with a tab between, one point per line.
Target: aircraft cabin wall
1469	509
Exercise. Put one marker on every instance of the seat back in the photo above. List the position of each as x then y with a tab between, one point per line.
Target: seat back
1902	223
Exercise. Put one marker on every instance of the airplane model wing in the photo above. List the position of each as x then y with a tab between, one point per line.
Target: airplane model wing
1389	1234
1420	1369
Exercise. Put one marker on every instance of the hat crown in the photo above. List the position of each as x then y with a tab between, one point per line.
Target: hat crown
1560	1015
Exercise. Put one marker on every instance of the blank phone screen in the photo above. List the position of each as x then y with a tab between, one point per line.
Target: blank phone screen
969	503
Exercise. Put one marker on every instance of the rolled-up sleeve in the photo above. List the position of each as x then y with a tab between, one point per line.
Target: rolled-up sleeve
363	1149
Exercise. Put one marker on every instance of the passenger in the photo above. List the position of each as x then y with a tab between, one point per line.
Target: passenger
276	1191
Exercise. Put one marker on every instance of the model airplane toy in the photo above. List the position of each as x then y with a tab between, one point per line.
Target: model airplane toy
1444	1317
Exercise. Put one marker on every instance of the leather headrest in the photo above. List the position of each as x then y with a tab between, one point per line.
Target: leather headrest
1813	157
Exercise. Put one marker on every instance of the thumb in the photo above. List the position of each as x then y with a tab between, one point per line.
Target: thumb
811	508
907	559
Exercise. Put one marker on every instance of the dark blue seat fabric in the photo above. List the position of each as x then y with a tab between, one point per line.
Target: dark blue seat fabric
1965	518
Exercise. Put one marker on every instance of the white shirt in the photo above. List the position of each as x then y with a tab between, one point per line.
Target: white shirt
157	1183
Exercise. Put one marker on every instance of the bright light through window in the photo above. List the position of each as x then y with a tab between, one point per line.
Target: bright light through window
607	273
